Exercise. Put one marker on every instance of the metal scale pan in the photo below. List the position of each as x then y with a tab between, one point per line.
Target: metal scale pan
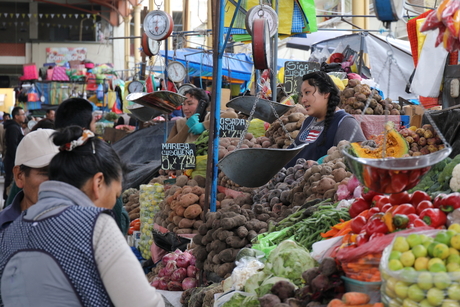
143	113
164	101
254	167
263	110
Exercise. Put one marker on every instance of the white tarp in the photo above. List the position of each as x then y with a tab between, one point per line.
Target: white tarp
377	49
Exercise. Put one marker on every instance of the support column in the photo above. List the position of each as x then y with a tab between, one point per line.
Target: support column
209	24
186	18
167	9
358	9
33	27
127	20
137	32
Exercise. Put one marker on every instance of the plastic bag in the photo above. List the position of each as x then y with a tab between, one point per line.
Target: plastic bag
245	268
150	197
362	263
407	287
268	242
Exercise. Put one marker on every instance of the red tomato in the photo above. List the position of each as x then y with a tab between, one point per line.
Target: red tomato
419	196
423	205
399	198
380	200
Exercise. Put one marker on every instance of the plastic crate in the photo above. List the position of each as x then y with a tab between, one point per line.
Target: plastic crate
370	288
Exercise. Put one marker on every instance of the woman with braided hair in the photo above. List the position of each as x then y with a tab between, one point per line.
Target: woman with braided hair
326	124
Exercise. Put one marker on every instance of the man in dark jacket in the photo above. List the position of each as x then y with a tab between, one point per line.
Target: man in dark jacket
13	135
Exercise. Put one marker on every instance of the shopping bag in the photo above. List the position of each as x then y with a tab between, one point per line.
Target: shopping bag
428	75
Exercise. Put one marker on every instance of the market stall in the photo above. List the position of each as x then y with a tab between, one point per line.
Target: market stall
371	223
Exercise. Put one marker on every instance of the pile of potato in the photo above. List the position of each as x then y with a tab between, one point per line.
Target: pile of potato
130	198
227	145
354	97
225	232
292	121
182	207
422	141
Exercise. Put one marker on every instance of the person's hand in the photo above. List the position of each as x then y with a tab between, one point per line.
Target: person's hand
193	120
197	129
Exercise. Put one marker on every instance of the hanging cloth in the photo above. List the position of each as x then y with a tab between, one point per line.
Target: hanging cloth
309	9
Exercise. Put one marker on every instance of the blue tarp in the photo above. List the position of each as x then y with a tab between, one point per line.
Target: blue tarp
236	65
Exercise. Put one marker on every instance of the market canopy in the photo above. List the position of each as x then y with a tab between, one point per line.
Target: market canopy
200	63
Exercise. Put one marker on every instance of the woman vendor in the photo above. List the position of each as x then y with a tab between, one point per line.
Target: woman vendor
326	124
188	129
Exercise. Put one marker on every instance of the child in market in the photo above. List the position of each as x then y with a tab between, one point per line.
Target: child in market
326	124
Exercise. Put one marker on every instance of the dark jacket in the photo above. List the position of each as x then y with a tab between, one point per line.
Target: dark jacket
13	135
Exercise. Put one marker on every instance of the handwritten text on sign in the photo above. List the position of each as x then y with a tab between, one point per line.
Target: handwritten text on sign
178	156
293	73
232	127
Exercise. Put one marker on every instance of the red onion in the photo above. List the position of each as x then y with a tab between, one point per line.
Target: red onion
155	282
162	272
174	286
342	192
358	191
191	271
179	274
183	260
178	251
191	257
170	268
188	283
353	182
169	257
163	283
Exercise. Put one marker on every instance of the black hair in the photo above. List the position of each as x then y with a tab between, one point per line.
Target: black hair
198	94
6	114
324	84
43	124
27	169
74	111
49	111
77	166
16	111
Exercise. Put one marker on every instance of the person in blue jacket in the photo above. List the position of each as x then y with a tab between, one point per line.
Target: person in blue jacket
326	124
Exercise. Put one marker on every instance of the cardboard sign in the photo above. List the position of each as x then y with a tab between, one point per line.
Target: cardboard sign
293	73
232	127
178	156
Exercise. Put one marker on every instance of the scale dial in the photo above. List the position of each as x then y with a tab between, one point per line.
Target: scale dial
158	25
262	11
261	48
176	71
154	46
182	89
135	87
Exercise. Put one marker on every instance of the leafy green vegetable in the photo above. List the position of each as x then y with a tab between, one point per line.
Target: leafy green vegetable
239	300
289	260
254	282
437	179
446	174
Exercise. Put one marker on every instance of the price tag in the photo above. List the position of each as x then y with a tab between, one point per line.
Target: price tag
178	156
293	73
231	127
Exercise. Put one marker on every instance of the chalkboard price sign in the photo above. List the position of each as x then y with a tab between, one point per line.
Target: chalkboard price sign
178	156
293	73
232	127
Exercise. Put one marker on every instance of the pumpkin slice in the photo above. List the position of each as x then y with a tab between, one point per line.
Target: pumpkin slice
396	146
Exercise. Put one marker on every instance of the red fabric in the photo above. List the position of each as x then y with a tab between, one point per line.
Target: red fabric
149	85
171	87
412	35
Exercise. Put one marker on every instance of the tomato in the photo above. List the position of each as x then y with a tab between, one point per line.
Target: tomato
419	196
380	200
399	198
423	205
